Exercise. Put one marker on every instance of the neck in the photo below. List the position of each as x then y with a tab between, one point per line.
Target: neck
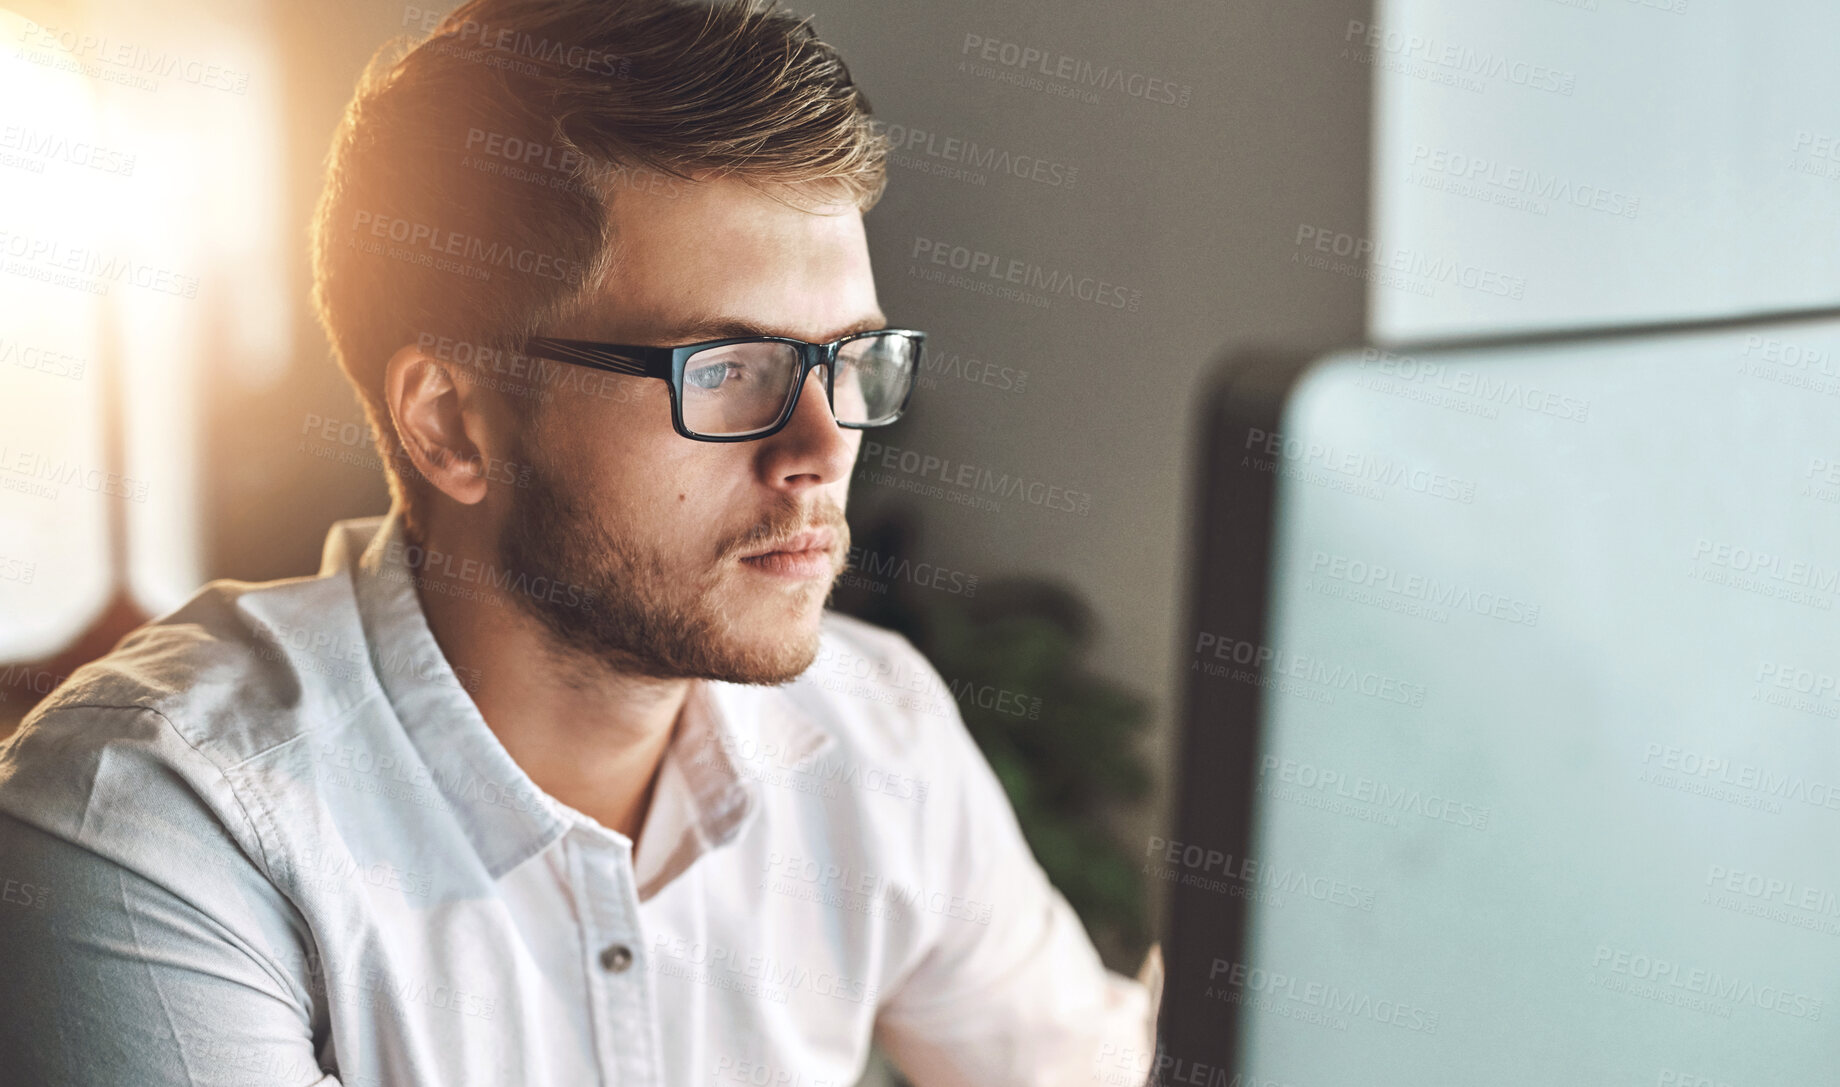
586	734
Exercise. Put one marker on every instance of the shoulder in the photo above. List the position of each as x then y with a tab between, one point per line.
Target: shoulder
154	726
237	669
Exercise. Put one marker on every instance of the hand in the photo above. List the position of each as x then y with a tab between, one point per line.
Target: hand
1150	975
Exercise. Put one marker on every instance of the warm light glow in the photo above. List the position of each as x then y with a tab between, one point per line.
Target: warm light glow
141	247
52	527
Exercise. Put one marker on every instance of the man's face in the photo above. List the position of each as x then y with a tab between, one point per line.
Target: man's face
655	526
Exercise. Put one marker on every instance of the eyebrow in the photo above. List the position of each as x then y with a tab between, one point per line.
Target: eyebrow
725	327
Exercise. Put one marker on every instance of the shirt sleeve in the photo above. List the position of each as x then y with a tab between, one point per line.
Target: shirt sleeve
1012	991
142	946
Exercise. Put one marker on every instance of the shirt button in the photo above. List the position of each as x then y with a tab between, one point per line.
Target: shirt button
617	958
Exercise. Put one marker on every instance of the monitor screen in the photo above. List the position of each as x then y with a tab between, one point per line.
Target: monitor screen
1542	782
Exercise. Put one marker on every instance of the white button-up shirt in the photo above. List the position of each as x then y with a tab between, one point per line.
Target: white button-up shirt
269	839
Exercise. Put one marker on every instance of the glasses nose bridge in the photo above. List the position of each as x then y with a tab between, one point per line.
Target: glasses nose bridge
816	355
826	356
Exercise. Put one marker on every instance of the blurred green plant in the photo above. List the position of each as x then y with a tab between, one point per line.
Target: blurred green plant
1072	766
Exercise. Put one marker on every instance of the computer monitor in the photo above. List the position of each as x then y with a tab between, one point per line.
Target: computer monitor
1512	726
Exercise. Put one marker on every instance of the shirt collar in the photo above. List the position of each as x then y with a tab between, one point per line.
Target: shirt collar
701	801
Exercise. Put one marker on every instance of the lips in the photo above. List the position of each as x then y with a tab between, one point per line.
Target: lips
816	539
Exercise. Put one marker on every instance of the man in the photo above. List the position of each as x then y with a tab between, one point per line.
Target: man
559	773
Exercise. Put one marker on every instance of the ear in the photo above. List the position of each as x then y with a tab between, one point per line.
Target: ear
438	422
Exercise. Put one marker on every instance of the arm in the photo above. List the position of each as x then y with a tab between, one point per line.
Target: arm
1021	999
141	946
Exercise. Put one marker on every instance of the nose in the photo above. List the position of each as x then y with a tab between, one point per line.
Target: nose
812	450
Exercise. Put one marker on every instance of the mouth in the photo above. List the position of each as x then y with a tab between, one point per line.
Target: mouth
805	555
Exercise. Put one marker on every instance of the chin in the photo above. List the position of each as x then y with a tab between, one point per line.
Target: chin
771	655
773	633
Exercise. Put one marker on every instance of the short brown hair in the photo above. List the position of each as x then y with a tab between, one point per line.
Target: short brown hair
469	185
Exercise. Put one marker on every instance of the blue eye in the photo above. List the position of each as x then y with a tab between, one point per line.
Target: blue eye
712	376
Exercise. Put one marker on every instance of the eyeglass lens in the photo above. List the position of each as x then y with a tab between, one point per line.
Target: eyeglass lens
741	388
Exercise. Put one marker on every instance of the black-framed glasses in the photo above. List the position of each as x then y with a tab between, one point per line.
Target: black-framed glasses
742	389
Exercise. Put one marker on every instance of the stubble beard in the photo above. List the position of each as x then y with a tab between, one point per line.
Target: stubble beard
634	614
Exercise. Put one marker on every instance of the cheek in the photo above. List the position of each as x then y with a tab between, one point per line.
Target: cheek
698	496
621	443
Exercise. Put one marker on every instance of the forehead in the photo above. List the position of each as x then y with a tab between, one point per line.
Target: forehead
689	256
